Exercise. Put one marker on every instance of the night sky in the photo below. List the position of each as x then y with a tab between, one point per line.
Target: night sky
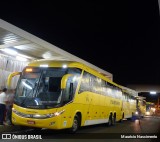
120	37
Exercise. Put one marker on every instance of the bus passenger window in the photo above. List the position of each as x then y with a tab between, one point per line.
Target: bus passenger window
85	83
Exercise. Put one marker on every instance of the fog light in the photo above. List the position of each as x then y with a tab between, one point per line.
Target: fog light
52	123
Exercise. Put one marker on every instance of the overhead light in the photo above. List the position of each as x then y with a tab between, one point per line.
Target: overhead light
10	51
24	56
9	40
64	66
47	55
21	58
153	92
21	47
44	65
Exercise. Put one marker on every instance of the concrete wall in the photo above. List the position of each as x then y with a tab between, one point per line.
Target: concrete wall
8	65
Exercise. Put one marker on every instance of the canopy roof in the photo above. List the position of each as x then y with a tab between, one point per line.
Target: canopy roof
31	47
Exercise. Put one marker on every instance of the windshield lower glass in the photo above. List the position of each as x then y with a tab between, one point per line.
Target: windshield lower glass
42	89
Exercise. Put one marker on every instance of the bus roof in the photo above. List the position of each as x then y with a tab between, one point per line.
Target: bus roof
53	63
129	91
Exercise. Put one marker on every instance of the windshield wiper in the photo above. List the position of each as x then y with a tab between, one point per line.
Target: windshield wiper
29	93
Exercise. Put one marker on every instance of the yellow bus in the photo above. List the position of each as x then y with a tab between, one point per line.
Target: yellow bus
129	105
150	108
64	94
141	106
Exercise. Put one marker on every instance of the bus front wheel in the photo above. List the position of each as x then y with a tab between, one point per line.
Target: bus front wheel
121	120
75	124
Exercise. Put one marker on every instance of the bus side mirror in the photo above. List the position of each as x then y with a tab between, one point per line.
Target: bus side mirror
64	80
9	80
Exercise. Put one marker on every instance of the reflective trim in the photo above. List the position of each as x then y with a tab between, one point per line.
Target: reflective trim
97	121
128	116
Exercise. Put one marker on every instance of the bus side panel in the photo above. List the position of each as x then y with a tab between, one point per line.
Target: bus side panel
84	98
126	109
118	109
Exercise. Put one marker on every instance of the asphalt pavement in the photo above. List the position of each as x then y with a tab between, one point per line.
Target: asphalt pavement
149	125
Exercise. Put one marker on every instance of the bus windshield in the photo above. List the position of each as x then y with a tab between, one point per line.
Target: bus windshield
42	89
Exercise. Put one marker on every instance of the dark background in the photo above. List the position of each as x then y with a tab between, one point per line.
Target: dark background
149	97
121	37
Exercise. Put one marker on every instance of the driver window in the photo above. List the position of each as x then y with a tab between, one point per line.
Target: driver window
54	84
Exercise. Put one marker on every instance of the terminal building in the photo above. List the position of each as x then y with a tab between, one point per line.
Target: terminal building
18	48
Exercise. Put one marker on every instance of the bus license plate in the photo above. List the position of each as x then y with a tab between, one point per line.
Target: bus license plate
30	122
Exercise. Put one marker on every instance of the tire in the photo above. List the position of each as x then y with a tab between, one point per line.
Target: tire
110	120
121	120
114	120
76	124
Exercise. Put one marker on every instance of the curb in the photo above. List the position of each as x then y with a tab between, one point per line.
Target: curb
10	128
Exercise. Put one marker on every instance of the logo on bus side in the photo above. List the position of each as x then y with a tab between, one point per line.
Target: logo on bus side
113	102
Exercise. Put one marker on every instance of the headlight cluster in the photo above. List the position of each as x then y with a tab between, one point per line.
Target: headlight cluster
37	116
136	112
147	113
153	109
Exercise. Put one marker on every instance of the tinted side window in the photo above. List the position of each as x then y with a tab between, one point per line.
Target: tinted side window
85	83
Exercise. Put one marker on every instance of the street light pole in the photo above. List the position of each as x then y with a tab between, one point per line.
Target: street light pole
159	4
158	102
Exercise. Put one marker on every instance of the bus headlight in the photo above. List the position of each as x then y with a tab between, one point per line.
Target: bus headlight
136	112
153	109
55	114
147	113
38	116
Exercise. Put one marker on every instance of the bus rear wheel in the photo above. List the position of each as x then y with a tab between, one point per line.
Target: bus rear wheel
121	120
110	120
114	120
75	125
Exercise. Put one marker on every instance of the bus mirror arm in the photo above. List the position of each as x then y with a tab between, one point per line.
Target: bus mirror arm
70	97
64	100
71	91
64	80
9	80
